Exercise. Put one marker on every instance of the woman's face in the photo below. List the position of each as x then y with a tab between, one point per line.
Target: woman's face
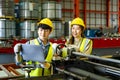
43	33
76	31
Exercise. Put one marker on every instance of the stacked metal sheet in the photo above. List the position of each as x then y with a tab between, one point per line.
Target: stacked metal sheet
6	8
29	8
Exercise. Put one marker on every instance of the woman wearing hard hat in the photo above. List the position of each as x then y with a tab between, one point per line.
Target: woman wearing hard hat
78	39
45	27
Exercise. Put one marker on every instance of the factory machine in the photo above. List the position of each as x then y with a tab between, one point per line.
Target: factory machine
77	66
80	66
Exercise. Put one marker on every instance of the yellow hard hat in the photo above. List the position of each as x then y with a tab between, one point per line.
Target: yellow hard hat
78	21
46	21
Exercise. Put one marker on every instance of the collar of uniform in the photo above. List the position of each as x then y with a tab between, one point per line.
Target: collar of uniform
41	43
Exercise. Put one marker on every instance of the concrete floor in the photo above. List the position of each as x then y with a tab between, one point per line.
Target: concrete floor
6	58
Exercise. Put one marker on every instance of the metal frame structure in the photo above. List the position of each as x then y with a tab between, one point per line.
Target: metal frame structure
76	11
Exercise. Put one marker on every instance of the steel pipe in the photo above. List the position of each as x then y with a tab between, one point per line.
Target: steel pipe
106	66
96	57
106	69
87	74
71	74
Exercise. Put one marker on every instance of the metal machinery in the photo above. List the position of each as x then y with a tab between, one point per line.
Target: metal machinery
88	67
78	66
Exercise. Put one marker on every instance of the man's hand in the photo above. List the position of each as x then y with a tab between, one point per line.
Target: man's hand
17	48
45	65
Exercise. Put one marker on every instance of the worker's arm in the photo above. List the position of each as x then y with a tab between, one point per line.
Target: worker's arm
18	57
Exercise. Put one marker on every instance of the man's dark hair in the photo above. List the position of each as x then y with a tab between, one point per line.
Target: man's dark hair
44	26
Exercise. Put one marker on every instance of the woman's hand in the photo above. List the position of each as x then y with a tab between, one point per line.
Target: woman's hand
75	47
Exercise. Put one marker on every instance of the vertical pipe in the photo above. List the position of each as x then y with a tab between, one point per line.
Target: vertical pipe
76	8
119	16
16	1
58	0
85	11
108	12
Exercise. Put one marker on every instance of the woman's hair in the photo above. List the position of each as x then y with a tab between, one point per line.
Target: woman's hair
44	26
71	40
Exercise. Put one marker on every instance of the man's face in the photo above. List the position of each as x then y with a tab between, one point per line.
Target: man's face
43	33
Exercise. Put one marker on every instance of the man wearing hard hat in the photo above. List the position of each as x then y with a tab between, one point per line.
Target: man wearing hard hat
45	27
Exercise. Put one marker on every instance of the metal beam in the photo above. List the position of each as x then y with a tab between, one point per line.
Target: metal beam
108	13
76	8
